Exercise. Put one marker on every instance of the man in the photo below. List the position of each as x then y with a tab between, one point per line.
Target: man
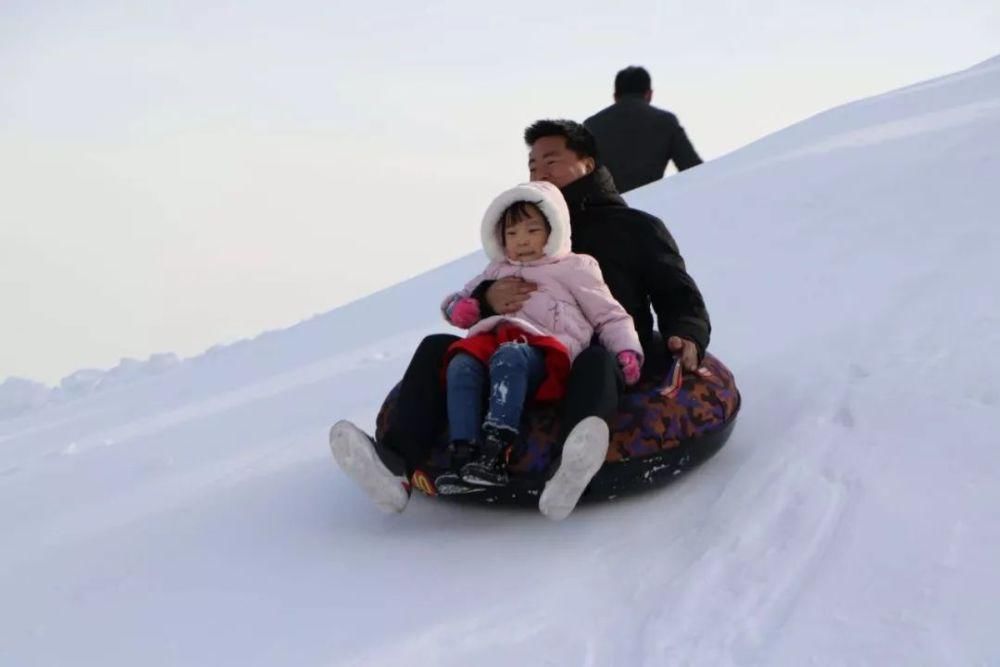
636	140
642	267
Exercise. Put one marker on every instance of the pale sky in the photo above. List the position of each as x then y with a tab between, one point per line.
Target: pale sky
174	176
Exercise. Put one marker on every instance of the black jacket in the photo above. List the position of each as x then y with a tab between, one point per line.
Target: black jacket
639	259
635	141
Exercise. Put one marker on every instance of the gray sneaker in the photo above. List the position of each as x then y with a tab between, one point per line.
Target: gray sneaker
583	455
356	455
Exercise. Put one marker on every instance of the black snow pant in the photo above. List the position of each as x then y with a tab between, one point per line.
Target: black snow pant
595	384
421	406
594	387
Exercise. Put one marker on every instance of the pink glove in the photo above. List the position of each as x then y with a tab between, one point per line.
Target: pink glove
464	312
629	361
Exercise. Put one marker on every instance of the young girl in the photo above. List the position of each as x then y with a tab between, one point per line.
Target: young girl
526	233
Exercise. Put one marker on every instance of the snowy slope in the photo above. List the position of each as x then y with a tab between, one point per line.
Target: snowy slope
194	516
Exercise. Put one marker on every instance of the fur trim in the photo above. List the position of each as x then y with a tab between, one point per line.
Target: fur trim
548	199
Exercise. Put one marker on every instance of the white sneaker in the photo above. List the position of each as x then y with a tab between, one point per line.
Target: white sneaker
355	453
582	456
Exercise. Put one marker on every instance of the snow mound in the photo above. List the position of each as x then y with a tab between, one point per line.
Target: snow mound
19	396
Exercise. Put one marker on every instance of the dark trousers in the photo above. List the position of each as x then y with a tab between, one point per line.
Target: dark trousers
594	387
421	406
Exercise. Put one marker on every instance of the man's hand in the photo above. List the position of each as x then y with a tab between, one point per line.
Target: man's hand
684	350
507	295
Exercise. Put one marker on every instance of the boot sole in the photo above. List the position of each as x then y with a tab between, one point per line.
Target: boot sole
583	455
355	454
471	477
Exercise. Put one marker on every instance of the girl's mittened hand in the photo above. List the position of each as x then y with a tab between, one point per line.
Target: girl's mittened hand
464	313
629	362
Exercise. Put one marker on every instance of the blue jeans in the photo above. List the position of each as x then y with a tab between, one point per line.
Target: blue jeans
516	370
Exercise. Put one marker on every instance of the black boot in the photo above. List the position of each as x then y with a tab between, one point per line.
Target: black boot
490	468
461	452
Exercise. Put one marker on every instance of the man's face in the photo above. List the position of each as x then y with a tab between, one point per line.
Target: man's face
550	160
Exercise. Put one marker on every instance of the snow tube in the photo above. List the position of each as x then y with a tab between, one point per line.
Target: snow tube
664	427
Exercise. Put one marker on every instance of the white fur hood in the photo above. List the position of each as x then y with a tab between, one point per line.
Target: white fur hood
550	202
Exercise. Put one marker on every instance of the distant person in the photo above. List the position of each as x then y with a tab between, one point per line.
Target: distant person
526	354
636	140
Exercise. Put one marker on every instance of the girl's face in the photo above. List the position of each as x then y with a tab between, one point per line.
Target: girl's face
525	239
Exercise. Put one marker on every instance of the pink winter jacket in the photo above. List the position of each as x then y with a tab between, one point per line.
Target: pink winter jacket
572	301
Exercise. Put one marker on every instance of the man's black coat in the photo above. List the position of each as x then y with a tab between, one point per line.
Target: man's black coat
635	141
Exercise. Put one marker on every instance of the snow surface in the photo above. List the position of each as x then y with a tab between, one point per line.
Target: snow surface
193	515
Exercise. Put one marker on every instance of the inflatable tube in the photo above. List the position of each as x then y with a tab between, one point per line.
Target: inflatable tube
663	428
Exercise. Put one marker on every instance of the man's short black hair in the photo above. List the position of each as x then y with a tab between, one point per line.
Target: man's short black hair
632	80
578	138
